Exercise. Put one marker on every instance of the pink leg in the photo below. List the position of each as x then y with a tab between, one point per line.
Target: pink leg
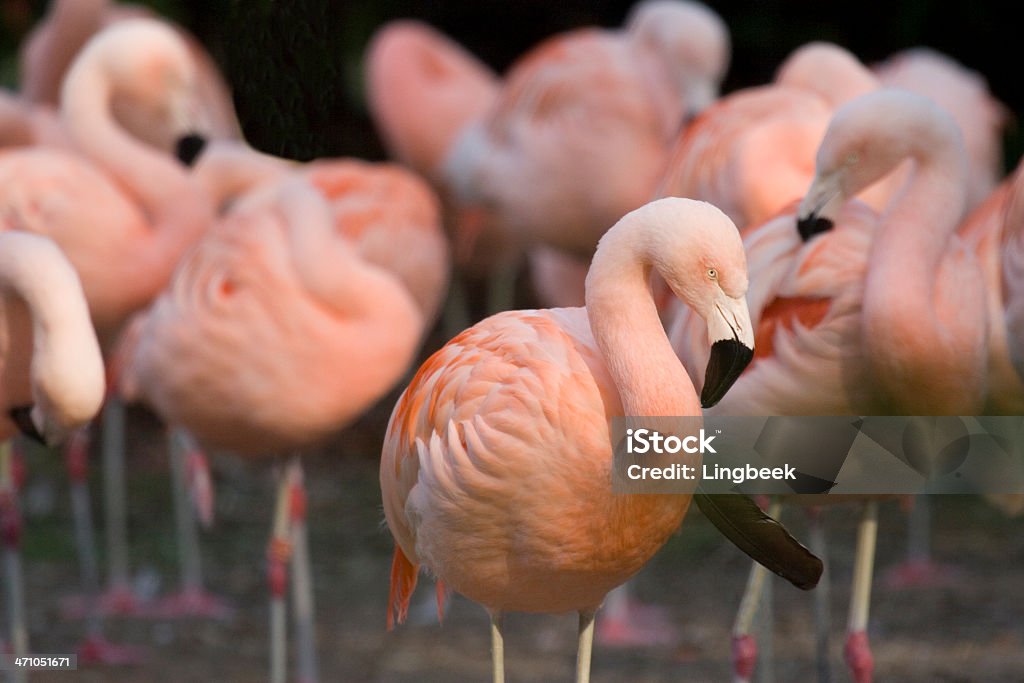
279	554
302	579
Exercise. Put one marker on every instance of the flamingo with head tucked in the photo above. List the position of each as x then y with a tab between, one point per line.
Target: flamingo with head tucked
280	328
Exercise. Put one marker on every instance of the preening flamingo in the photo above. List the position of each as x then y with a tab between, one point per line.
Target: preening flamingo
51	375
858	313
276	333
577	136
496	468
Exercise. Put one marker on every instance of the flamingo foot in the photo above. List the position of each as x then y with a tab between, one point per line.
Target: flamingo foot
115	601
923	573
744	657
98	650
637	626
858	657
192	602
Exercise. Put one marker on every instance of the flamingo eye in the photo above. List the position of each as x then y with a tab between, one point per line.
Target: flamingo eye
712	274
852	158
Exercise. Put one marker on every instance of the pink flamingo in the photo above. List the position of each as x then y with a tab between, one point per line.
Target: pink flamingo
577	136
51	376
54	43
275	299
495	471
846	322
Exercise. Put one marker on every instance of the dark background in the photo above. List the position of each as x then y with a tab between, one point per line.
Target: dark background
295	65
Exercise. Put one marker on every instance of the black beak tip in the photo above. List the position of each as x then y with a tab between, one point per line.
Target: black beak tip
22	417
189	147
812	225
729	357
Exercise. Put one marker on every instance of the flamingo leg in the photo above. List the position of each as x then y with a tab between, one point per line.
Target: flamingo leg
858	652
278	555
302	578
95	648
585	646
192	599
120	598
497	648
744	646
822	609
11	523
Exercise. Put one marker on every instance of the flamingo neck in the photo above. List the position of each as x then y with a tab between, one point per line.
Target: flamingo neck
175	207
33	271
908	337
628	332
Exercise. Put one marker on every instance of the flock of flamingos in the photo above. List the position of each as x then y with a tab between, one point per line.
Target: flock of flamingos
837	241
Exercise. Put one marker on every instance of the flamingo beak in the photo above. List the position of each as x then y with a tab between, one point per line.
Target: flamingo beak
732	347
819	206
189	147
22	417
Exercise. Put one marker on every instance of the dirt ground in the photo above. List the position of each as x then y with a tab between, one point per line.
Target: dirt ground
972	630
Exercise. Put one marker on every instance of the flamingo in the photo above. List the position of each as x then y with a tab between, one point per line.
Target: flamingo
51	47
51	374
846	322
274	334
495	471
577	136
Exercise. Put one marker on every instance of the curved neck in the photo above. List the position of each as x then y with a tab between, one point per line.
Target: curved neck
907	334
34	270
175	207
625	324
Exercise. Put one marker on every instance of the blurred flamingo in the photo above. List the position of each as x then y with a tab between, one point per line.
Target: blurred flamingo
577	136
51	47
496	469
276	332
51	377
846	322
